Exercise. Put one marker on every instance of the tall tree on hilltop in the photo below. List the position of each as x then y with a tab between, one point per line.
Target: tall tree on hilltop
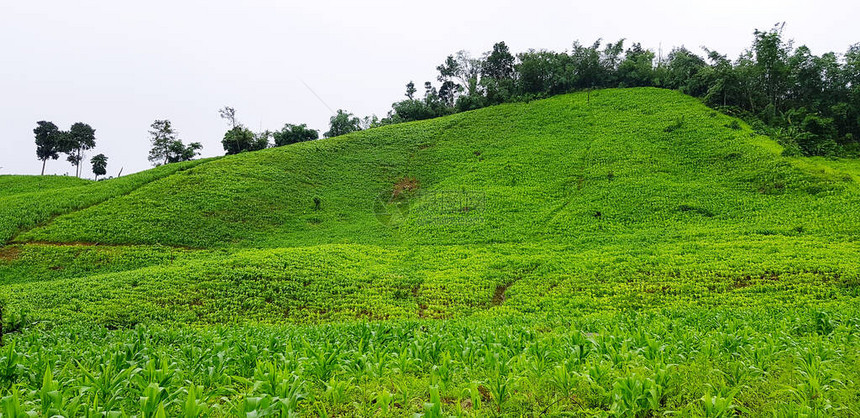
167	147
99	163
49	142
80	137
161	135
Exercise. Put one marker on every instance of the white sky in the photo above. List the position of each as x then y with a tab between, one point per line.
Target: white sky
119	65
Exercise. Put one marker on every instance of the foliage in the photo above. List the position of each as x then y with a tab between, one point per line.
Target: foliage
291	134
79	138
167	147
342	123
99	163
771	83
241	139
48	142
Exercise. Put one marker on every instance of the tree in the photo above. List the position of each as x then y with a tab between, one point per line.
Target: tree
99	163
637	68
167	147
162	136
241	139
80	137
178	152
410	90
291	134
229	114
342	123
771	65
724	81
461	69
586	63
683	71
499	63
49	142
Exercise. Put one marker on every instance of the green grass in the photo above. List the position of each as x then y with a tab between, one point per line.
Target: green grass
541	170
22	211
12	185
628	256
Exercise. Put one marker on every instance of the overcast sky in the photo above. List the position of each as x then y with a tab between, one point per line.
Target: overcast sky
119	65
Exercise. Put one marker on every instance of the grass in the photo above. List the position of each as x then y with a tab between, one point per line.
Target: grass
634	255
31	205
12	184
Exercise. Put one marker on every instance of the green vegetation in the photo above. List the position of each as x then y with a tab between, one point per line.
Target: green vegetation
809	102
12	185
34	204
625	252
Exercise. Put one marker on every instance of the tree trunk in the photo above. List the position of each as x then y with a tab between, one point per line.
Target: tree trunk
78	167
43	166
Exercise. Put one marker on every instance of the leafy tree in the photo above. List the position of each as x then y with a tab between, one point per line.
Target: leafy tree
610	59
167	147
542	73
291	134
462	70
80	137
497	74
586	63
684	71
448	93
241	139
162	136
724	81
99	163
771	71
342	123
178	152
637	68
49	142
499	63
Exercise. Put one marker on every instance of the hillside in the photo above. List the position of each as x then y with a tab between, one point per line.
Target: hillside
563	248
538	171
12	185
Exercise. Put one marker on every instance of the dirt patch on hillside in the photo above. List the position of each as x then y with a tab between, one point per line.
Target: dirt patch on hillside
405	185
9	253
499	295
422	307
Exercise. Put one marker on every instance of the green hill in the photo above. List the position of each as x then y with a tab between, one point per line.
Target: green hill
689	262
12	185
537	172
